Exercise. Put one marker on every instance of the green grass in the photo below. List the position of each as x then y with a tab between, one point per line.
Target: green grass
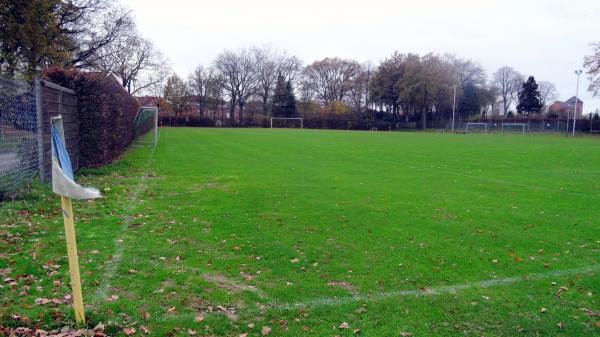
301	230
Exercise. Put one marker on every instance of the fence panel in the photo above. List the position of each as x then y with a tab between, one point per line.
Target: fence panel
18	134
57	100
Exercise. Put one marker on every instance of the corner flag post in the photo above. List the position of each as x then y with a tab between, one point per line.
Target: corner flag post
63	184
67	210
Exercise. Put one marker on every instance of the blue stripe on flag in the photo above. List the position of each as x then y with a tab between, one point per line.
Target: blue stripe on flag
62	154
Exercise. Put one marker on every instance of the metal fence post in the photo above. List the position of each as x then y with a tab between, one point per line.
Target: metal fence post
40	128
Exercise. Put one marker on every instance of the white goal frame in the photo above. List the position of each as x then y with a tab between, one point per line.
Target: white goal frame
485	127
155	117
523	125
296	118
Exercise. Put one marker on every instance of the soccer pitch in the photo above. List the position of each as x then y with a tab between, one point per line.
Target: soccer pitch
302	232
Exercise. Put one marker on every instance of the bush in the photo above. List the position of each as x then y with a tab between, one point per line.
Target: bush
106	112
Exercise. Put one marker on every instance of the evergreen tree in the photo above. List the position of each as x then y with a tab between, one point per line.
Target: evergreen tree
290	100
279	98
530	99
470	103
284	100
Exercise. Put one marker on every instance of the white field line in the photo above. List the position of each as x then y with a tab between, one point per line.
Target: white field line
335	301
435	291
111	265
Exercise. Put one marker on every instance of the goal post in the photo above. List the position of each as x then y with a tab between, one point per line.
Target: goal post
145	126
283	122
508	127
471	127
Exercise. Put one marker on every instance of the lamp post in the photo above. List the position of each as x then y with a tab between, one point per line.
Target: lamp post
577	72
453	107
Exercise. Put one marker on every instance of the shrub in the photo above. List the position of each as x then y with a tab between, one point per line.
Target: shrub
106	112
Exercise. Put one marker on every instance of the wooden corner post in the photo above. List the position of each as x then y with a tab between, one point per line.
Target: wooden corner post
67	210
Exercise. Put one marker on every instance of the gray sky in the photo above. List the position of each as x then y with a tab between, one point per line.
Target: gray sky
544	38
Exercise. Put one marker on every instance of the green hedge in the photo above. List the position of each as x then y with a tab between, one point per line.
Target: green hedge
106	114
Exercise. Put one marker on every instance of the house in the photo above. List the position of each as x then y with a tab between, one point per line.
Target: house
564	109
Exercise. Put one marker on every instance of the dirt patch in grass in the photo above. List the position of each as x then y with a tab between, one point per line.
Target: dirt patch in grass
230	285
344	285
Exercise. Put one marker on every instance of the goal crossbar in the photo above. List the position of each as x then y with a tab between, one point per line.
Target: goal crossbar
288	118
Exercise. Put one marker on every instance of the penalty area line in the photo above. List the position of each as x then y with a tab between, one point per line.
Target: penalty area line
434	291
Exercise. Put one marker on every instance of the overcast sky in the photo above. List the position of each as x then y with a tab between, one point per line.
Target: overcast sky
544	38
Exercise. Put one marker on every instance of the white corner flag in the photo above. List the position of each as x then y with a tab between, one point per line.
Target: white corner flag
63	181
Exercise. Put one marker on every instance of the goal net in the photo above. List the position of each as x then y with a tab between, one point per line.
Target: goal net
515	127
280	122
145	127
476	128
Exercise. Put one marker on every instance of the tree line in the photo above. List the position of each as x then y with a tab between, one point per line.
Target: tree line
403	87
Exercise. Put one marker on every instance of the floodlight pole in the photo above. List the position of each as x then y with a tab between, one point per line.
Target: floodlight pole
577	72
453	107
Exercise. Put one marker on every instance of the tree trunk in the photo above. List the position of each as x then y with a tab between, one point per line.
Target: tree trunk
265	105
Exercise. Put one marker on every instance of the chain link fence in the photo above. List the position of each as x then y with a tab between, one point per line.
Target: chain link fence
18	134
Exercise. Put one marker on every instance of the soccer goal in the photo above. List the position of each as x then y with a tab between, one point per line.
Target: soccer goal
145	127
514	127
476	127
281	122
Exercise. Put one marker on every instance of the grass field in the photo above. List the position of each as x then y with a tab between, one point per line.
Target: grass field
226	231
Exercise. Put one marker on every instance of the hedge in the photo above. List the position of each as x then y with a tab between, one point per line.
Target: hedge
106	114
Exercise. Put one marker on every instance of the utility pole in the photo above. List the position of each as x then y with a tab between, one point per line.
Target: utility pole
577	72
453	107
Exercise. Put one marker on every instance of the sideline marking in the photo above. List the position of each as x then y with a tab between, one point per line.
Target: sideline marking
333	301
101	293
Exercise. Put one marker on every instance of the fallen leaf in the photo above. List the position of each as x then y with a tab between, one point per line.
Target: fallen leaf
245	334
199	317
113	298
144	330
344	325
405	334
356	331
129	331
192	332
265	330
171	309
295	260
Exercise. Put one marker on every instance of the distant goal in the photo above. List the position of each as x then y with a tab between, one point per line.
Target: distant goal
287	122
145	127
515	127
476	128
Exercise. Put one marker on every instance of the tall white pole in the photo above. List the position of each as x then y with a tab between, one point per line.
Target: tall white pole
577	72
453	108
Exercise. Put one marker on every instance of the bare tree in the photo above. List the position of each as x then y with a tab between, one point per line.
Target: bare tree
88	26
135	61
289	67
330	79
592	67
269	65
266	72
507	82
548	92
466	71
240	81
175	94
